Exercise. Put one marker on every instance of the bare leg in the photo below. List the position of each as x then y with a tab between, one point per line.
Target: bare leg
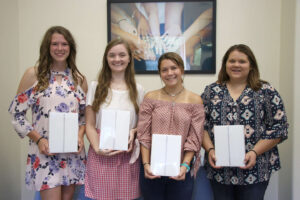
67	192
51	194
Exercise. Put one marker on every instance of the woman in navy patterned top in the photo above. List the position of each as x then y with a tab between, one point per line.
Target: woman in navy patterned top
240	97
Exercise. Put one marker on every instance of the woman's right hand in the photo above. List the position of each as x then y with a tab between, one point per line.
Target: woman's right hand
43	146
148	173
212	159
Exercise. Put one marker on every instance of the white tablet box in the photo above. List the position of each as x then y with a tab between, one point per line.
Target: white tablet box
229	145
63	132
165	154
114	129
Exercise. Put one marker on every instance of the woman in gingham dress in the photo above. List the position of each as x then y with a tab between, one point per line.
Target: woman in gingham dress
113	174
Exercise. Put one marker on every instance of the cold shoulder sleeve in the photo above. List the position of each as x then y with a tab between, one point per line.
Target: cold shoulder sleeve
18	108
145	122
275	116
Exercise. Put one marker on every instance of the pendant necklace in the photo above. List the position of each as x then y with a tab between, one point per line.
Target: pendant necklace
173	95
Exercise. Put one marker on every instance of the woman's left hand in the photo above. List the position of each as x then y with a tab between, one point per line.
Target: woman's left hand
131	139
181	175
80	145
250	160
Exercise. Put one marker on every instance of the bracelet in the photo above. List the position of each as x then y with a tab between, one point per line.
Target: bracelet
254	152
186	165
37	142
146	163
212	148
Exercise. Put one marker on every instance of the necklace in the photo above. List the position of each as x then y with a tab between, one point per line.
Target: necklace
173	95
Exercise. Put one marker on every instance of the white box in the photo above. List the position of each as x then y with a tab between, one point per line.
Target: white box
63	132
165	154
114	132
230	145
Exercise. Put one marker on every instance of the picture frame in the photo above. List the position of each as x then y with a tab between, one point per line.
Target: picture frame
154	27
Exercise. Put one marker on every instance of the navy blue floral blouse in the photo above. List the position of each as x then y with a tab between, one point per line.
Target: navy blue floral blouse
263	116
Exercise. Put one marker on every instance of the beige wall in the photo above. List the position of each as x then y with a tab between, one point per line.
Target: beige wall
296	107
10	154
262	24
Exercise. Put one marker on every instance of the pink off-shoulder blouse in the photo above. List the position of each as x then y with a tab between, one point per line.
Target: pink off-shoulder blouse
164	117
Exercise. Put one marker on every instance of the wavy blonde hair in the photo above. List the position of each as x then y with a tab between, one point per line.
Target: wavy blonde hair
45	59
253	79
105	77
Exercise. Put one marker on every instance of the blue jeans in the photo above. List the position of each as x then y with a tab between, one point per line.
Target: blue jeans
239	192
165	188
202	187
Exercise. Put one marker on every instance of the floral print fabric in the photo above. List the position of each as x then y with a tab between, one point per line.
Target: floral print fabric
263	116
44	172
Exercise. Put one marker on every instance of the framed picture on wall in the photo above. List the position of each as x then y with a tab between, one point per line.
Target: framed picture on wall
154	27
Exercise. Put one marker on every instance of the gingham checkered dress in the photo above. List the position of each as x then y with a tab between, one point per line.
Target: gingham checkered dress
111	178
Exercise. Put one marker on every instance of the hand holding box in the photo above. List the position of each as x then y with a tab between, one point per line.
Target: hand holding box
114	129
229	145
165	154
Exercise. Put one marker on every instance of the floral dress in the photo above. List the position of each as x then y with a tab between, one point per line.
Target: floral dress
44	172
263	115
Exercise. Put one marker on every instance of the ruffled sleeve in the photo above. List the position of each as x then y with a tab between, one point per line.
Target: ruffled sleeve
275	116
145	122
18	108
195	135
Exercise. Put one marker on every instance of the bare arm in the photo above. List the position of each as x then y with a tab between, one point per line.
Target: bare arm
152	12
173	12
146	163
202	21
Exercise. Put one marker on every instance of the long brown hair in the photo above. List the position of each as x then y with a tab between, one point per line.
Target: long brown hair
45	59
105	76
253	79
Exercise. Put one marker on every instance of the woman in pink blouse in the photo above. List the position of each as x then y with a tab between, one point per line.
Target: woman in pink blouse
171	110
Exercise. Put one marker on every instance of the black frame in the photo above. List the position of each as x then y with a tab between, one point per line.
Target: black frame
206	64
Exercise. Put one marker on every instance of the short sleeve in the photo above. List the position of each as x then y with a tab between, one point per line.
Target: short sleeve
275	115
145	122
141	93
18	108
91	93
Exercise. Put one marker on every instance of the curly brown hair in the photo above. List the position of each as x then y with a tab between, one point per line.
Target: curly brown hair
105	76
45	60
253	79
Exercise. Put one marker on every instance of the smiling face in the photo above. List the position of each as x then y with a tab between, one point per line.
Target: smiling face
118	58
238	66
170	73
59	48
